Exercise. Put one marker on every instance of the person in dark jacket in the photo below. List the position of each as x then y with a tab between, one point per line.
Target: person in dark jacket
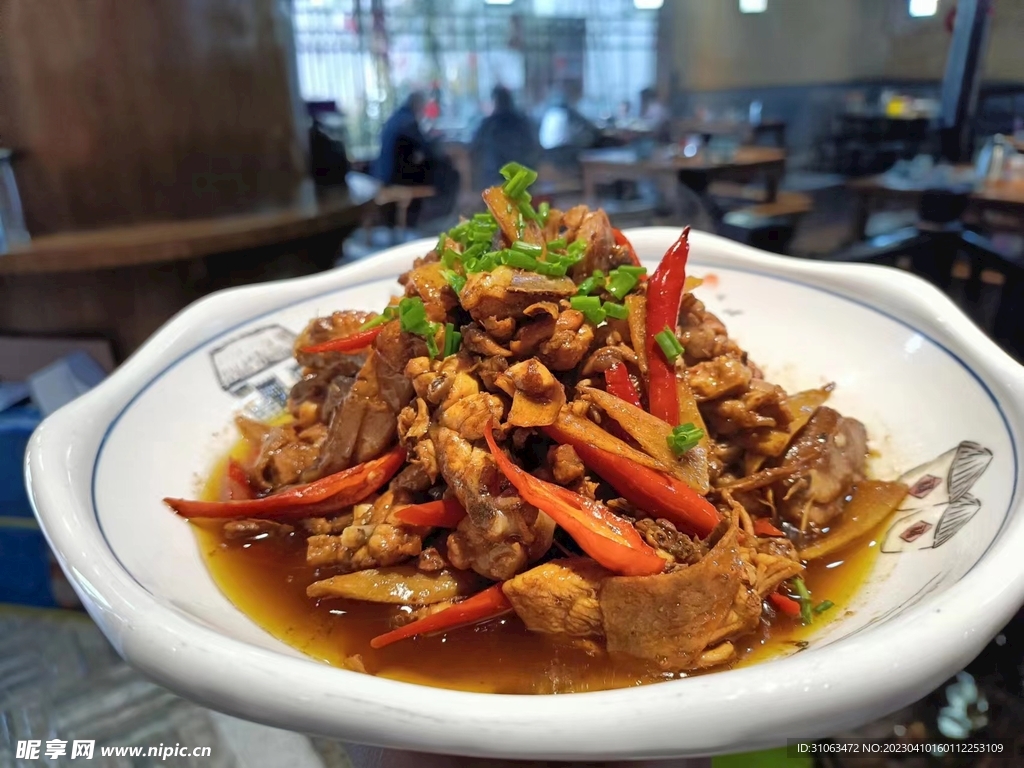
504	136
410	158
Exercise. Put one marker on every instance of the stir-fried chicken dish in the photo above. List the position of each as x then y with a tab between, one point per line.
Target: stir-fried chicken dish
537	430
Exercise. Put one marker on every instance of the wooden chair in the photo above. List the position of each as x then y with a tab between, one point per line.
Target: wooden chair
769	226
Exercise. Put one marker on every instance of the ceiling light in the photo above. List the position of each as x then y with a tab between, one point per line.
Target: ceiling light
924	7
648	5
753	6
499	2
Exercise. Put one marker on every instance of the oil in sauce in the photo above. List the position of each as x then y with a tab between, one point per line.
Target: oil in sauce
267	579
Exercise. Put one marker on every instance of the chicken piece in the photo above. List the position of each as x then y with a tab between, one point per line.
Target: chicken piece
605	357
559	597
833	451
601	253
285	455
761	405
489	369
663	536
334	326
469	416
505	292
427	281
373	540
365	424
324	526
703	335
501	533
500	330
431	561
569	342
480	343
537	396
776	560
672	618
253	530
397	585
566	466
719	377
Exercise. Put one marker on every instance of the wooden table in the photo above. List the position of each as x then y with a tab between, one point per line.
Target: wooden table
123	283
746	165
999	197
776	129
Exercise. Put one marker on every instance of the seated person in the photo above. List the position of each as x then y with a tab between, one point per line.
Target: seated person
407	157
504	136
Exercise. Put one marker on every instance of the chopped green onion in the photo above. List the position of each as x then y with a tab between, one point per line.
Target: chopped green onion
509	170
621	281
631	270
527	248
452	340
557	245
455	280
517	185
804	596
413	318
542	211
684	437
590	306
616	311
823	606
576	249
519	260
389	313
669	344
551	270
591	284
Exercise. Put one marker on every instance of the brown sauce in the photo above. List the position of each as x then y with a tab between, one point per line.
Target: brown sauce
267	581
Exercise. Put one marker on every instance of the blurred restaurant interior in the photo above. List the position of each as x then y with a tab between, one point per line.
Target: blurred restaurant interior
153	153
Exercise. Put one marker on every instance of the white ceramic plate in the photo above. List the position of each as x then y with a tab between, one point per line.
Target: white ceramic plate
941	402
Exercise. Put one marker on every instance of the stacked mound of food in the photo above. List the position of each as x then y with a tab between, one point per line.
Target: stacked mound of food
540	428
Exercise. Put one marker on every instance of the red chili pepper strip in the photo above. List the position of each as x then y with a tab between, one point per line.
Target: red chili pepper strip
621	239
336	491
446	513
237	485
664	294
482	606
610	540
656	493
351	343
764	528
618	383
786	605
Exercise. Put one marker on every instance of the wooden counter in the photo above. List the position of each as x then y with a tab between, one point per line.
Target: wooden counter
123	283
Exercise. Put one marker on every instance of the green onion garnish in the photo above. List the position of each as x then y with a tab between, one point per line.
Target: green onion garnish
455	280
518	260
390	313
527	248
669	344
804	596
551	270
557	245
576	249
590	306
591	284
684	437
542	212
622	280
452	340
519	182
616	311
413	318
823	606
